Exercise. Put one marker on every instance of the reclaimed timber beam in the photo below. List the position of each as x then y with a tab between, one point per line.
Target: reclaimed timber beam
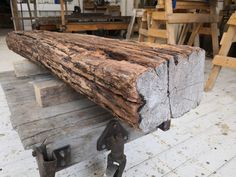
142	84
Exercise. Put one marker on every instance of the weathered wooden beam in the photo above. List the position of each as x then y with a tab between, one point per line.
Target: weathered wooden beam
142	84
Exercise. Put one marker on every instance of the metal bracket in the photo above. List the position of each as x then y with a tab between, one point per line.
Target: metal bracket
165	125
113	138
48	164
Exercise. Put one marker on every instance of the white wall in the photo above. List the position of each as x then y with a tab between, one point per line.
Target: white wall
127	7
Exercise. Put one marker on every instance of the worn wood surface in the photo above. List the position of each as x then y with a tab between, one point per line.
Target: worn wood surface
26	68
53	92
141	84
78	123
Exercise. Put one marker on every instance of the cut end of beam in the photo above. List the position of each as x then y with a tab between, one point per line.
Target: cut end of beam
153	88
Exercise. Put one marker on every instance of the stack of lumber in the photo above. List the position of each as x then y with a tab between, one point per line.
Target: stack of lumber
143	84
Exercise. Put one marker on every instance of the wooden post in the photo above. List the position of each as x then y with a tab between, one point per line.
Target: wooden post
170	27
143	27
15	15
66	8
63	23
151	24
22	17
214	28
30	14
35	9
194	33
183	34
160	4
35	13
131	25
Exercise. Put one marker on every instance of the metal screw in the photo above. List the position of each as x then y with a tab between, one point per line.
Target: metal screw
62	153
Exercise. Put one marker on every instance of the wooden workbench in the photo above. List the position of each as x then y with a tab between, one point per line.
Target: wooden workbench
84	22
78	123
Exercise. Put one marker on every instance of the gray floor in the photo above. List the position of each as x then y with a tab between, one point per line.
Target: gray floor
201	143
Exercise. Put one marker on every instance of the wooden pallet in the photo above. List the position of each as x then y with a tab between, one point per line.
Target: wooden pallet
222	60
191	15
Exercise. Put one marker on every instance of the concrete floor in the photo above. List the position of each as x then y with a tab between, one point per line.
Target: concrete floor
201	143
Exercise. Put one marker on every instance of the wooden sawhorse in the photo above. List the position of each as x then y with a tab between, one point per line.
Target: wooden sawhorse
189	13
222	60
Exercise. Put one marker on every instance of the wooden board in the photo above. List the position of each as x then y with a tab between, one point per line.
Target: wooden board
93	26
224	61
53	92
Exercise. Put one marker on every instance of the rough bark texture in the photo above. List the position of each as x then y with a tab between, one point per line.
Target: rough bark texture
143	84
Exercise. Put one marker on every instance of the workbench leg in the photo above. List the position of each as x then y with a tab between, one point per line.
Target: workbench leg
183	34
195	31
143	26
212	77
49	164
170	27
131	25
113	138
114	168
